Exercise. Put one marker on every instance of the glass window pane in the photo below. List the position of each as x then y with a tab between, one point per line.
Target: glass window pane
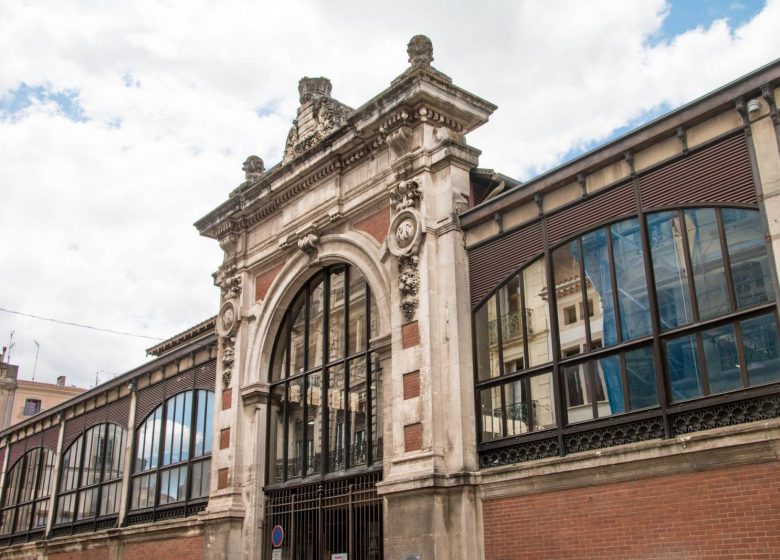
748	256
109	500
631	281
358	413
336	319
599	286
313	422
607	374
491	413
298	315
40	513
707	260
316	321
295	428
377	425
65	511
682	365
669	270
357	341
517	396
485	327
640	375
568	293
374	321
511	326
577	380
722	360
542	403
759	337
275	439
537	313
279	365
336	418
88	503
201	479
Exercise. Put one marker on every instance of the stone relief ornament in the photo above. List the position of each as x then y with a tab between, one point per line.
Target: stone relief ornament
253	168
420	51
230	285
404	240
227	324
319	115
309	242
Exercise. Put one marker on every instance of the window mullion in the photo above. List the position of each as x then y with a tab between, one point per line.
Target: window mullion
726	260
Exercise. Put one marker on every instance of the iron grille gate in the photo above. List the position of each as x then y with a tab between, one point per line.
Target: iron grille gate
323	519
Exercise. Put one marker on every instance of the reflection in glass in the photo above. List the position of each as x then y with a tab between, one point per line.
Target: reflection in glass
358	416
669	270
485	326
537	313
298	315
599	284
682	365
748	256
295	428
511	325
275	439
336	325
707	261
640	375
607	372
721	359
377	415
491	412
278	366
759	336
577	380
571	306
336	418
631	281
356	330
316	310
313	428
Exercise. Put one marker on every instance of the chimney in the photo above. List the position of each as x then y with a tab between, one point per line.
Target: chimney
61	381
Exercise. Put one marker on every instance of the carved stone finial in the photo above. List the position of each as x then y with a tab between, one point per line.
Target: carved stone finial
311	88
253	167
420	50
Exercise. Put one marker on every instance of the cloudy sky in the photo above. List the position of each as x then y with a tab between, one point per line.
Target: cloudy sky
121	123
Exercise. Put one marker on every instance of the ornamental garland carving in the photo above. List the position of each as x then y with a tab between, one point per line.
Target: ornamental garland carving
404	240
227	324
230	284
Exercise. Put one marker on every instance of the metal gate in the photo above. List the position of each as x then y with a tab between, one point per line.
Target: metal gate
324	520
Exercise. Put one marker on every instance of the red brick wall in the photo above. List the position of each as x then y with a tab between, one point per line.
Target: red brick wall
224	438
264	280
376	223
410	334
185	548
227	399
88	554
412	384
413	437
715	514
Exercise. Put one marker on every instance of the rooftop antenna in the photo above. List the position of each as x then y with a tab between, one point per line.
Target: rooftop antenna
35	366
11	345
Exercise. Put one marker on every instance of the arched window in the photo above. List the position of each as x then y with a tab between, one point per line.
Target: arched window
91	475
26	494
172	464
628	317
325	413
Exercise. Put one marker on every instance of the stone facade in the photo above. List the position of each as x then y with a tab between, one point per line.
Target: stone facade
391	193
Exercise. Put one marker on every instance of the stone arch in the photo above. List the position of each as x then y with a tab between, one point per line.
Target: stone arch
348	247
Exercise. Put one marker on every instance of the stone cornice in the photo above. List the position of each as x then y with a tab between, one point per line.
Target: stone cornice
420	95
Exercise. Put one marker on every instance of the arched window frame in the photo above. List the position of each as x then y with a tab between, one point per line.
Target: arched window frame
313	461
655	340
37	463
196	466
75	483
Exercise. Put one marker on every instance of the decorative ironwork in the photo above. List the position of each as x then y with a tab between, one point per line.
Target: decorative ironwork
521	453
341	516
762	408
611	436
511	325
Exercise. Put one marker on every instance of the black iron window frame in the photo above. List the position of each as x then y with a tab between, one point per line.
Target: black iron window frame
189	505
97	521
42	469
324	462
662	420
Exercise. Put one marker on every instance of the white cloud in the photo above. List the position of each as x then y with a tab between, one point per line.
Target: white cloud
96	216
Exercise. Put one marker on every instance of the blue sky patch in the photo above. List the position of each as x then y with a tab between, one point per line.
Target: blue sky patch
685	15
24	96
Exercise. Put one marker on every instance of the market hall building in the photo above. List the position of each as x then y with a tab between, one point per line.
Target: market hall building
418	358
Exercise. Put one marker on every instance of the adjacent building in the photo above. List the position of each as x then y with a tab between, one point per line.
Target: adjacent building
418	358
